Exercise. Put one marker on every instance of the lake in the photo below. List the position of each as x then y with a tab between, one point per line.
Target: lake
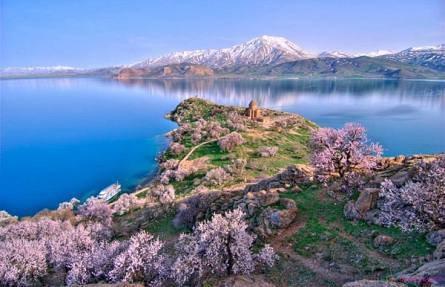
64	138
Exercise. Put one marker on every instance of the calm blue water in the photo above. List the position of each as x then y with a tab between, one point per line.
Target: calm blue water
63	138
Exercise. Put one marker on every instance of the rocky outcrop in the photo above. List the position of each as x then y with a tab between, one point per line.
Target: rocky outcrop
373	283
439	253
292	176
383	240
430	274
436	237
399	170
6	218
265	211
130	73
366	201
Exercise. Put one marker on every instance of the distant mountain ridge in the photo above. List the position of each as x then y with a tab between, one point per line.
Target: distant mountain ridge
268	56
263	50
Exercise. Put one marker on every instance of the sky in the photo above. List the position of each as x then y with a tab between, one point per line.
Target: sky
100	33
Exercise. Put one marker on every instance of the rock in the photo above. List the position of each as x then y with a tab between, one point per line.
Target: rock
439	253
429	274
266	198
436	237
296	189
350	211
400	178
373	283
367	200
288	203
383	240
399	159
279	189
250	195
244	281
283	218
6	218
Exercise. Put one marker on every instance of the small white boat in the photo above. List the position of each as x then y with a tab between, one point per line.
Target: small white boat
109	192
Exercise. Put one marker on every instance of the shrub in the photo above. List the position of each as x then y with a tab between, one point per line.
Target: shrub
221	246
22	262
96	210
343	152
164	193
230	141
177	148
216	176
141	261
124	203
419	204
268	151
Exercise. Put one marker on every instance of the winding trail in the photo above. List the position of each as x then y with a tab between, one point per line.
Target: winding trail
193	149
282	245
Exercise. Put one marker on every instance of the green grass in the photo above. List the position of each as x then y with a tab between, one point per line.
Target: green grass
328	233
163	227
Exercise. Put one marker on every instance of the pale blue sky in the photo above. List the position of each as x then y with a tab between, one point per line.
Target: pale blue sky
95	33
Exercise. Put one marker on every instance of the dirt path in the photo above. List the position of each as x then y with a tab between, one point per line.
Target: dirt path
193	149
282	245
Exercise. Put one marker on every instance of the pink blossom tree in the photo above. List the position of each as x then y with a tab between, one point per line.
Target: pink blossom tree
96	210
141	261
343	152
216	176
230	141
22	262
221	246
419	203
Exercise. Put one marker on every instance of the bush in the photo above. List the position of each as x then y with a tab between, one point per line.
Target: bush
216	176
221	246
230	141
177	148
419	204
124	203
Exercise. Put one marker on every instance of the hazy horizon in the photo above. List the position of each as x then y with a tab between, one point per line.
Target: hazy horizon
106	33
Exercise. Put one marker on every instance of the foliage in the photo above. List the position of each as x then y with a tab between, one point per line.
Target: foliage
96	210
216	176
344	152
141	261
230	141
164	193
177	148
124	203
419	203
221	246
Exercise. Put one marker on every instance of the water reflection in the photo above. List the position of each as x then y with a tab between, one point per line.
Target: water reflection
280	93
405	116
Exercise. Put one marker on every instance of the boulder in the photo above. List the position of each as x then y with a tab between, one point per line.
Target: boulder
288	203
429	274
350	211
439	253
367	200
383	240
283	218
373	283
266	198
436	237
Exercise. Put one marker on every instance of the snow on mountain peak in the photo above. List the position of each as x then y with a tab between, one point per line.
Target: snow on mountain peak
258	51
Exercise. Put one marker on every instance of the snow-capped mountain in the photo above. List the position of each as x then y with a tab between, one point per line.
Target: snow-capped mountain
17	71
334	54
263	50
373	54
428	56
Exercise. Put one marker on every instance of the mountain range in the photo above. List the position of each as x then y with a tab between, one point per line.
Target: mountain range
267	56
